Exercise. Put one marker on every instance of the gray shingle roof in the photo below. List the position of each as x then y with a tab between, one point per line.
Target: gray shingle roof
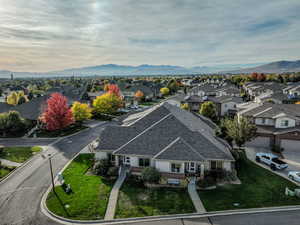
269	110
179	149
155	129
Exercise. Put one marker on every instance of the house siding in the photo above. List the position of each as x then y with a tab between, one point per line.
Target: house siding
101	155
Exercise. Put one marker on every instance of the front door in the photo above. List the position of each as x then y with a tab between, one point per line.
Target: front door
121	159
192	168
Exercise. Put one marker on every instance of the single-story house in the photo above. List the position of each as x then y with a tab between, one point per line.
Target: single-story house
174	141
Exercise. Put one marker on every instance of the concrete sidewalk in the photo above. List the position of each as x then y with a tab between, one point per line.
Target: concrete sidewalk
10	163
195	197
113	197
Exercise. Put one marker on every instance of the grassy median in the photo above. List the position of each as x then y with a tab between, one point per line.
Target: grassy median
259	188
89	197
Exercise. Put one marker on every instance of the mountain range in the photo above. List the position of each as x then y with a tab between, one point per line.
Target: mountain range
145	69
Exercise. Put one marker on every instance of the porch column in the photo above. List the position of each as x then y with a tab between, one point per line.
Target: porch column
117	160
202	171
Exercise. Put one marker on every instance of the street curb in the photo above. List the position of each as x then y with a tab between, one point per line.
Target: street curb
3	179
167	217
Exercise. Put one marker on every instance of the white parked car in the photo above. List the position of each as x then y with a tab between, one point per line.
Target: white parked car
294	175
272	160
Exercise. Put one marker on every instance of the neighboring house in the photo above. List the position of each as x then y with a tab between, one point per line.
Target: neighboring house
93	95
30	110
255	89
277	125
226	105
174	141
194	102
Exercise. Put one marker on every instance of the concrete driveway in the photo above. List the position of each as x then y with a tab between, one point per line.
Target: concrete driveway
291	158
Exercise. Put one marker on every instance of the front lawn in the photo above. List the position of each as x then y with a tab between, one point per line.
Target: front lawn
135	200
259	188
5	171
72	129
90	193
19	154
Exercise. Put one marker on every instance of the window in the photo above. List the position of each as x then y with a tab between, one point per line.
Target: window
111	157
144	162
127	160
213	165
219	165
284	123
175	167
216	165
263	120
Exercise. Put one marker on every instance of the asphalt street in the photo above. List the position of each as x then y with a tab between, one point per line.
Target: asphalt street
20	194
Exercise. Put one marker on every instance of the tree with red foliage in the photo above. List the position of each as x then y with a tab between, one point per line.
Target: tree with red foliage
57	114
254	76
261	77
113	89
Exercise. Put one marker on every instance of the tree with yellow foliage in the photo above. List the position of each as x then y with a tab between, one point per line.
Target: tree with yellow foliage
81	111
165	91
185	106
107	103
16	98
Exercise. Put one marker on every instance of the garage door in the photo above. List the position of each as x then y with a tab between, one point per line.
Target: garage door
290	144
262	142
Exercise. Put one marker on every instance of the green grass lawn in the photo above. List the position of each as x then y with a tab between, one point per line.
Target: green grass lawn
5	171
19	154
74	128
259	188
89	198
135	200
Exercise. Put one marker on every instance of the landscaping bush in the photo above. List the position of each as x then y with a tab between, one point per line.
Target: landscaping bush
150	175
217	174
208	181
113	172
101	167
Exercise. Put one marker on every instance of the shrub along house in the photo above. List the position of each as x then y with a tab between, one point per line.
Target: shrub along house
277	125
174	141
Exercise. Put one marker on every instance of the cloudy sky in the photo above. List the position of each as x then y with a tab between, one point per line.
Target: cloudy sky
44	35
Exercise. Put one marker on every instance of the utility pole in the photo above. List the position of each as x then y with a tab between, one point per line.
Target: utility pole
51	172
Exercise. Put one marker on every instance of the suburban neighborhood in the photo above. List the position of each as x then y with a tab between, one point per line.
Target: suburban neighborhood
159	146
149	112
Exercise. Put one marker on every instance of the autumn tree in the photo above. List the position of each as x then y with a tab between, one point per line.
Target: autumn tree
16	98
164	91
254	76
240	129
107	103
261	77
112	89
81	111
185	106
139	95
57	114
208	109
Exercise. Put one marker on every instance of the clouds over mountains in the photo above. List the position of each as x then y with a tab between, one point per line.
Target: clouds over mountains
41	35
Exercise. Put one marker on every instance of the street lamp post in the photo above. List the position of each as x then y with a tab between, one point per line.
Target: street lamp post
51	172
